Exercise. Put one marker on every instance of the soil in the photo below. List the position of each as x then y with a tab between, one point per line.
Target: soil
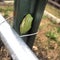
45	47
4	55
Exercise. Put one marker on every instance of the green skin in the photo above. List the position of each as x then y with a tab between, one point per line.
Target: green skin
25	26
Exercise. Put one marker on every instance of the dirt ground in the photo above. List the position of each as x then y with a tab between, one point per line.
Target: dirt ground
47	47
4	55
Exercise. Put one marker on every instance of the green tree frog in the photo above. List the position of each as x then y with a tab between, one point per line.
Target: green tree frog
26	24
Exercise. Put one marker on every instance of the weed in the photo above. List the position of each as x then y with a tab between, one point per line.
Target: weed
6	9
1	9
58	29
10	8
6	14
44	17
51	35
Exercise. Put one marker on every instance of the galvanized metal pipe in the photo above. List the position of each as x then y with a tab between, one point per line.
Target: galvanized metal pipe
15	45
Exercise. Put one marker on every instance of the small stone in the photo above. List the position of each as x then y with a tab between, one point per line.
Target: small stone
35	48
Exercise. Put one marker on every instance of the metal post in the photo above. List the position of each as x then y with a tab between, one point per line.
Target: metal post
22	8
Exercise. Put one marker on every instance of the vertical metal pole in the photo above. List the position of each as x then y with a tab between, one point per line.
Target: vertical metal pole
22	8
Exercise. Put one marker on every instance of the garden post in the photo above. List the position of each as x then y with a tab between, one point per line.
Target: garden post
22	8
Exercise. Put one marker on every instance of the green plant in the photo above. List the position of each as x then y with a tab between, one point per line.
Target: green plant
1	9
6	14
8	9
51	35
58	29
44	17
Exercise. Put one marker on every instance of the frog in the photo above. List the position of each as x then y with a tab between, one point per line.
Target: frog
26	24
